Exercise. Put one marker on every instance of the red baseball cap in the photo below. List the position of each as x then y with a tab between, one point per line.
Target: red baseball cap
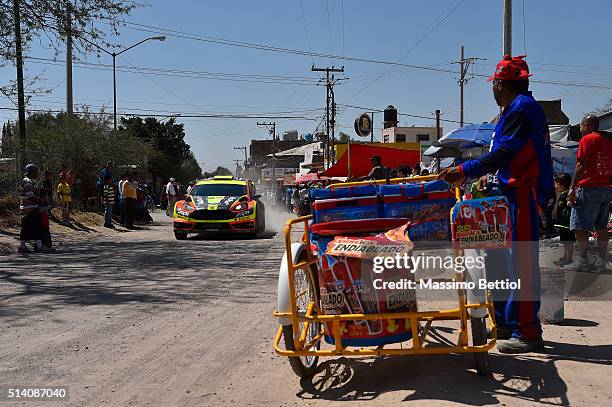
512	69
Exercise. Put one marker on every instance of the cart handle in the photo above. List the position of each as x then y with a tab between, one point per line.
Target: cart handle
420	178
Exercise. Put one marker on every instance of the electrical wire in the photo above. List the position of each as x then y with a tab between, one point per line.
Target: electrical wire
405	54
331	48
270	48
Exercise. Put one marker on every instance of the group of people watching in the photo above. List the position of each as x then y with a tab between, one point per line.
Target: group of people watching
35	204
379	171
128	195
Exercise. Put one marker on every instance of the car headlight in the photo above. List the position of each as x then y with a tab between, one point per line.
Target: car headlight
183	212
240	207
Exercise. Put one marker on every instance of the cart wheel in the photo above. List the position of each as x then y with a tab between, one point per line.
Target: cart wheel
479	337
305	283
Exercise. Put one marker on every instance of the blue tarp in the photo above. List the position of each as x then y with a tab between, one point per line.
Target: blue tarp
470	136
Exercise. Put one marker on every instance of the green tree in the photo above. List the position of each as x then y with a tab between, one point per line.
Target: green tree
172	156
47	22
83	143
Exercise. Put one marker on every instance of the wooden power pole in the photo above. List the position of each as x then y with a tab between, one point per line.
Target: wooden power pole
330	110
20	90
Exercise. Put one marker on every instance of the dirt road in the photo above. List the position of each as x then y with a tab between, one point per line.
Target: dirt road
138	318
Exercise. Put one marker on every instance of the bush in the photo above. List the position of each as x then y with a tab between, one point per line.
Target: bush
9	205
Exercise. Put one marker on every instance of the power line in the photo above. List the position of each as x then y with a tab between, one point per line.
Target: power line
187	115
400	114
331	48
305	29
415	46
270	48
259	78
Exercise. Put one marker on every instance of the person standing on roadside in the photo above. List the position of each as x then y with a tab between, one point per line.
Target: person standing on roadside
129	201
29	195
47	187
520	154
64	197
109	200
120	190
590	193
190	187
171	192
104	172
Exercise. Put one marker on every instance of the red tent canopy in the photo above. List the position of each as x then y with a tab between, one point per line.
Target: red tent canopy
360	160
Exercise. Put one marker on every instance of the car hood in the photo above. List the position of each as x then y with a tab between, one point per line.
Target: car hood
214	202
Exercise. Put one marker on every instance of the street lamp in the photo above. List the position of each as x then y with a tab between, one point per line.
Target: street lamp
114	55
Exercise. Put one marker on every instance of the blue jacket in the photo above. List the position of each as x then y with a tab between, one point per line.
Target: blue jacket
521	149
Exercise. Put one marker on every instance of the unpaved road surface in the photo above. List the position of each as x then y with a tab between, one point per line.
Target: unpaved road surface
140	319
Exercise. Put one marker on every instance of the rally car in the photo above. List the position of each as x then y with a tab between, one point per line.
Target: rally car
222	204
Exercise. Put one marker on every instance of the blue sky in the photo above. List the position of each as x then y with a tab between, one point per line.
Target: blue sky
565	41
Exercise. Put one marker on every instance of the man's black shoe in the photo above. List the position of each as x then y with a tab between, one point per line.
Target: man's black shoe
520	345
502	333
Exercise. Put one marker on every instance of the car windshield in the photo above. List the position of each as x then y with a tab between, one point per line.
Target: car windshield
219	190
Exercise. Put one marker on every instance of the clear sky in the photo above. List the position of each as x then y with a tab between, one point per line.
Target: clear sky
565	40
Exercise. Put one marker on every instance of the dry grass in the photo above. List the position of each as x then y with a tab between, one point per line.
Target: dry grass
9	211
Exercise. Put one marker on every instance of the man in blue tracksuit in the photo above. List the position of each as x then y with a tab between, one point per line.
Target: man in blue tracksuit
520	154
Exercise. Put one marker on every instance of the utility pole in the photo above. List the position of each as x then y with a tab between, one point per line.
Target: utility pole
20	90
69	100
464	64
507	27
245	153
274	148
330	110
372	124
438	138
237	166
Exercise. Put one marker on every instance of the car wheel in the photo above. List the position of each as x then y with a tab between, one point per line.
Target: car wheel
180	235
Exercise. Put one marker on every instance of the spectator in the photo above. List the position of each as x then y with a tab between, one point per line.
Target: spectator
122	181
190	187
109	199
562	219
417	170
64	197
404	171
171	192
589	196
44	207
129	201
424	172
106	171
377	171
47	188
28	208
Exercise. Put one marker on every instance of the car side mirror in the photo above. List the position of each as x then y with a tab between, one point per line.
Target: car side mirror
257	196
188	198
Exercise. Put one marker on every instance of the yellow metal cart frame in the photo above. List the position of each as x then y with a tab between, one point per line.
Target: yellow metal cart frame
304	347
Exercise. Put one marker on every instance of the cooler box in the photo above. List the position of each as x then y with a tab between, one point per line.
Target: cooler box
346	286
418	203
327	210
331	193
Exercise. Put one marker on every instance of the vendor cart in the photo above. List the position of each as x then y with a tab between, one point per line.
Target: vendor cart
310	332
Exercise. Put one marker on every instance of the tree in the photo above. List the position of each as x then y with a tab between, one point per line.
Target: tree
605	108
219	171
173	156
84	143
48	22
